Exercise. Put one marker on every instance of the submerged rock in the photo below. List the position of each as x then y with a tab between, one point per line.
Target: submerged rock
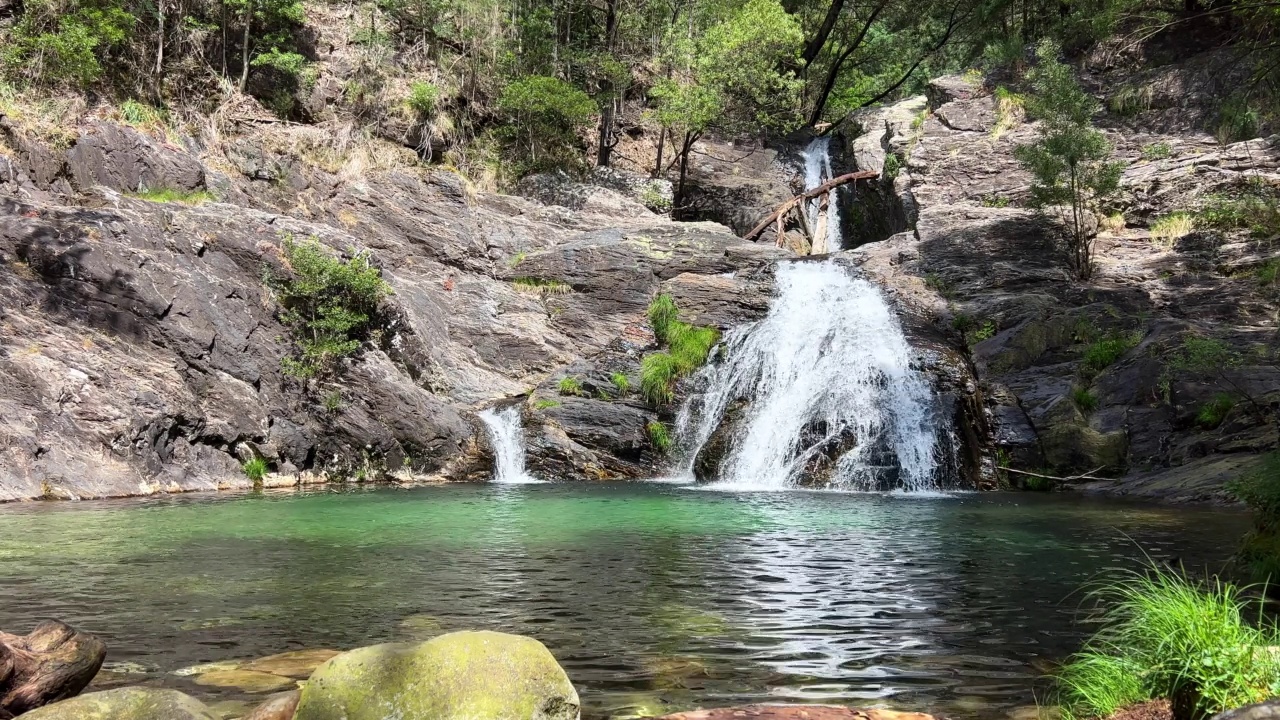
247	680
127	703
795	712
459	676
298	664
281	706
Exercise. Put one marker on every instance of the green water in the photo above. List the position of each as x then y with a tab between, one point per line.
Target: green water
653	597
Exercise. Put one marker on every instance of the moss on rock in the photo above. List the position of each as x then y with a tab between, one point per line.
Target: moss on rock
127	703
458	676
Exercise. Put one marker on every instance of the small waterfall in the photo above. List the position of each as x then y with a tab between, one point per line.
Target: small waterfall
817	170
508	446
821	389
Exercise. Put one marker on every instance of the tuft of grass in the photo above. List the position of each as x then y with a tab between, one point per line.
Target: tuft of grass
571	386
993	200
518	258
1011	110
1268	273
1131	100
170	195
1163	635
255	468
333	402
545	404
659	436
1172	227
541	286
621	382
1101	354
1215	411
1253	206
1157	151
422	99
1084	399
1112	223
663	316
658	374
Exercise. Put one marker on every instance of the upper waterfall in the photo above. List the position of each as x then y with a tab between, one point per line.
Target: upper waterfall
817	170
507	437
821	388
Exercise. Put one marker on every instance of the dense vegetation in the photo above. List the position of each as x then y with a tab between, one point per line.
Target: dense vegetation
502	87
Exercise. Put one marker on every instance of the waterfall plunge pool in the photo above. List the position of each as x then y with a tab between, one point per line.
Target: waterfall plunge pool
653	597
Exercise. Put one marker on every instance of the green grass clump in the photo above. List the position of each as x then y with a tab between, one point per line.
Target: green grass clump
541	286
687	350
255	468
1157	151
659	436
621	383
1254	206
169	195
1172	227
1102	353
545	404
1268	273
422	99
571	386
1164	636
1215	411
1084	399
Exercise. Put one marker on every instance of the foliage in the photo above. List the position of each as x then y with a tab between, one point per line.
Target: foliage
621	383
1084	399
1010	111
541	286
1163	635
658	374
687	350
1237	120
1102	353
544	116
333	402
571	386
1174	226
1069	162
1253	206
328	303
659	435
545	404
663	316
1260	490
256	468
58	43
1212	413
1156	151
170	195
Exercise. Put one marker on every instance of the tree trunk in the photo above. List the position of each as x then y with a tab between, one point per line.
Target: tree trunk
815	45
833	73
52	663
244	50
677	203
605	150
662	140
159	85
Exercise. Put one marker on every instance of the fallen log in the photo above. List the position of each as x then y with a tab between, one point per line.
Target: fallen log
51	663
826	187
1072	478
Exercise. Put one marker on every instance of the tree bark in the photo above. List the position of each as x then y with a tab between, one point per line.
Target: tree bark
244	50
833	73
54	662
815	45
677	202
605	150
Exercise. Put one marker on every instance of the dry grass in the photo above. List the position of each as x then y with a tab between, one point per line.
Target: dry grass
1167	230
51	119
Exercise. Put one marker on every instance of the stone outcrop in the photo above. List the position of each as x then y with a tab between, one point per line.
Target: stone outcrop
989	272
457	676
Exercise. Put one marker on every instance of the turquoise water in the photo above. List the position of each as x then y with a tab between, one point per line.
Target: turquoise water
654	598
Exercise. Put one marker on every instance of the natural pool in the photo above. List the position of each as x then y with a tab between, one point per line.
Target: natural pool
654	598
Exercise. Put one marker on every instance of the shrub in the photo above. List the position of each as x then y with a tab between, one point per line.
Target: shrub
1165	230
1215	411
1157	151
621	382
328	303
1260	490
1253	206
65	43
986	332
1101	354
422	99
571	386
1162	635
1268	273
659	436
256	468
1084	399
1237	121
543	116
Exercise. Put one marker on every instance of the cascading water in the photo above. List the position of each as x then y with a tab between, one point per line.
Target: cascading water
817	170
823	390
508	446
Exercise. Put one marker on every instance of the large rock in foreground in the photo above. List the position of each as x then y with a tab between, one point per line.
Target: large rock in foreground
795	712
458	676
53	662
127	703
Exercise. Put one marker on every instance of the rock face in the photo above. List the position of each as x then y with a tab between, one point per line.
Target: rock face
457	676
142	348
989	273
128	703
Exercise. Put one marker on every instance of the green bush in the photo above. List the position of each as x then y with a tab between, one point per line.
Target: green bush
1215	411
659	436
663	315
687	350
543	116
1084	399
621	383
1237	121
1157	151
328	303
571	386
1164	636
1253	206
1101	354
422	99
256	468
1260	490
57	43
658	374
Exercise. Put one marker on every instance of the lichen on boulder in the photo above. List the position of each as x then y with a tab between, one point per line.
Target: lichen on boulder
459	676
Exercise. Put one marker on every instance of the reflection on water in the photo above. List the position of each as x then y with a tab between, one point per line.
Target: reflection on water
654	597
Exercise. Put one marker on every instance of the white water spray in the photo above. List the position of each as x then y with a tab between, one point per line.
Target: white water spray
817	170
828	384
508	446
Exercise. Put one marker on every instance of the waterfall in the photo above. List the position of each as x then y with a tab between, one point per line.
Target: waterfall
508	446
817	170
821	389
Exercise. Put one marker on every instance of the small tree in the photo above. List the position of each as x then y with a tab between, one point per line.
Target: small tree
1070	162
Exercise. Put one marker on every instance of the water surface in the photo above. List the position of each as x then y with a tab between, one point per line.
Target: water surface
654	598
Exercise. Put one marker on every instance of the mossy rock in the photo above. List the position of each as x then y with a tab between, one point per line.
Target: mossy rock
459	676
127	703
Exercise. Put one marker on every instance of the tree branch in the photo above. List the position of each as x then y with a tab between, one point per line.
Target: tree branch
808	195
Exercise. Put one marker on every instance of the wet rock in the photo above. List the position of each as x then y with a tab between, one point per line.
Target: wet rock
128	703
453	677
282	706
1269	710
297	664
795	712
249	681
